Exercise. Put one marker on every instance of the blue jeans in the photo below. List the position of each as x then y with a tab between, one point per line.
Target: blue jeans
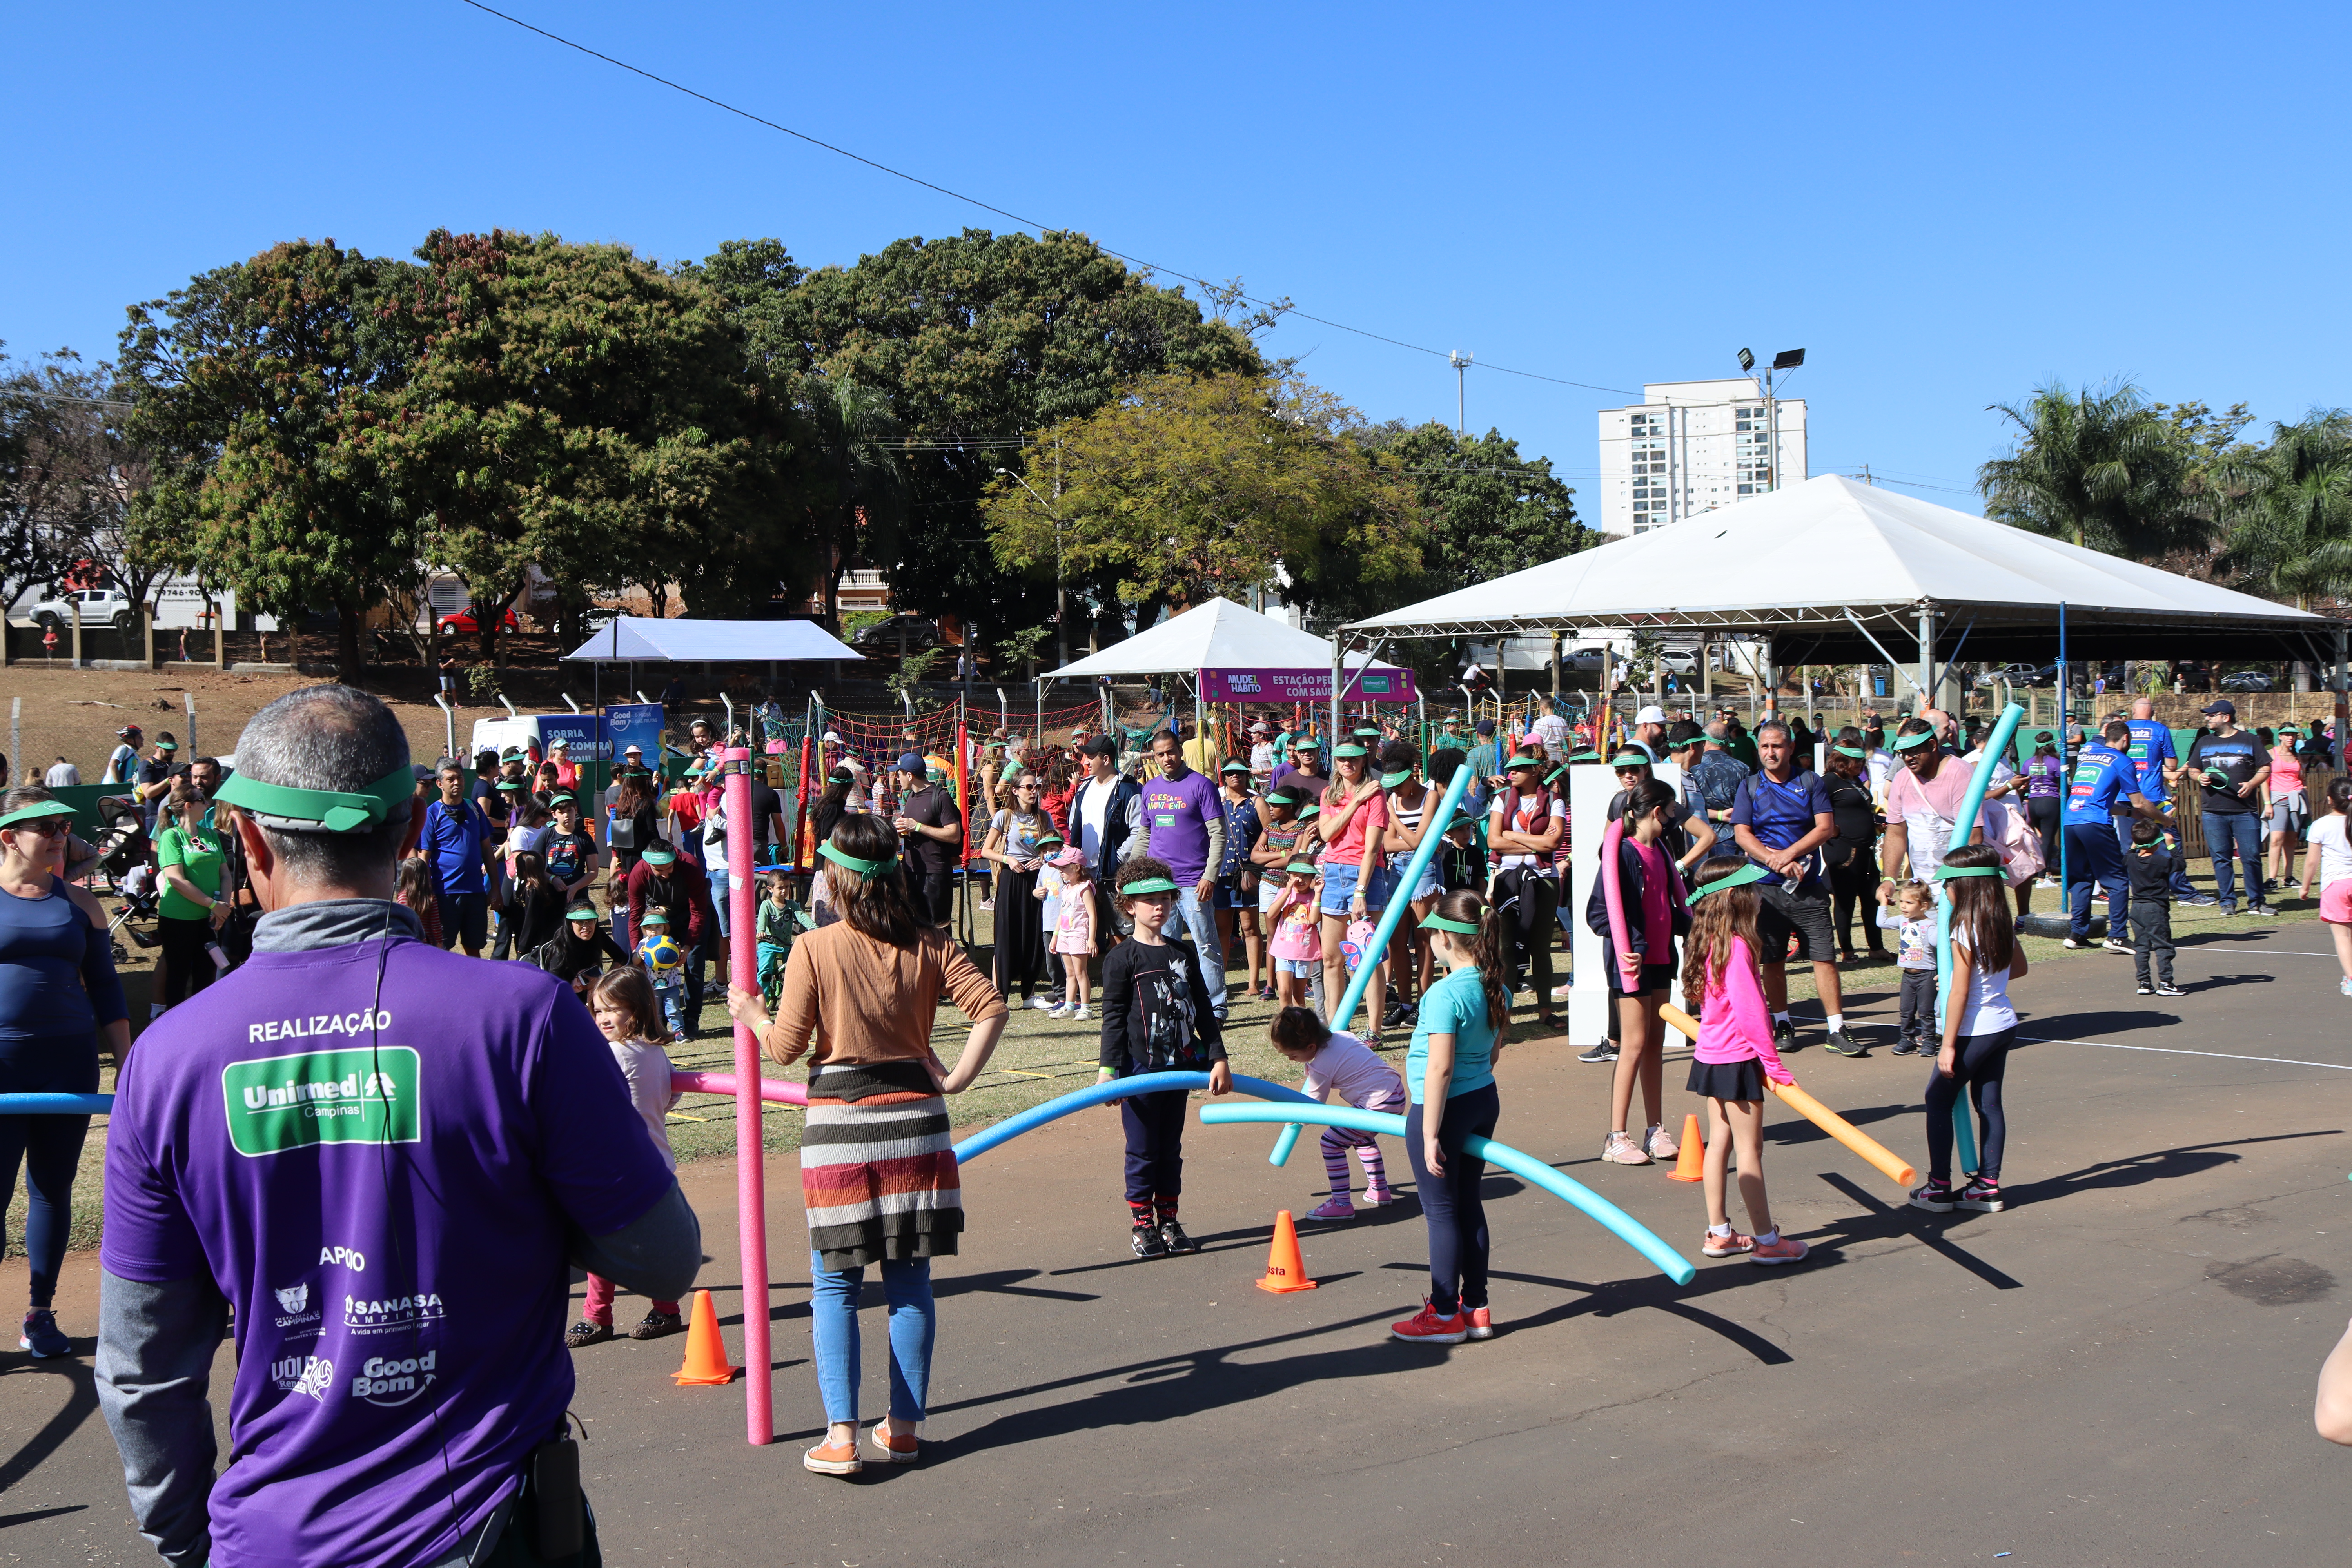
1193	918
833	1323
2094	856
2242	831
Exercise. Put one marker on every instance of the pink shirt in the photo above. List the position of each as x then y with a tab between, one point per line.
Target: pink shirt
1373	817
1657	900
1734	1025
1348	1065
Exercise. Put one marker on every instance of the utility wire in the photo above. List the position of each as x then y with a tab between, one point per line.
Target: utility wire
1281	306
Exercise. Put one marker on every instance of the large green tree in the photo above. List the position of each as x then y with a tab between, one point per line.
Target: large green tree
578	409
67	475
2100	468
975	339
2293	534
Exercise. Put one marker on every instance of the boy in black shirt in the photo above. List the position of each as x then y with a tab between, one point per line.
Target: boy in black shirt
1156	1018
2149	869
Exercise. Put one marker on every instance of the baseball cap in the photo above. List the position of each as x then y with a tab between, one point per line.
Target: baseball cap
1261	728
909	762
1485	726
2223	706
1100	746
832	738
1654	714
127	732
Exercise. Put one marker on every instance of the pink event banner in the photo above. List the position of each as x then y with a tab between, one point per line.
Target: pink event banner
1304	685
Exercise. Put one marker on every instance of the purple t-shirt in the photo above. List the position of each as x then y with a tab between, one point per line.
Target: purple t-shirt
388	1218
1178	813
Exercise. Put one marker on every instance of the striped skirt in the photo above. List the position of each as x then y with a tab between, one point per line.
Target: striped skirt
878	1173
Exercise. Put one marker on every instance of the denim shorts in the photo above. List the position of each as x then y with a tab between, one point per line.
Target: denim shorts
1339	887
1429	887
1305	968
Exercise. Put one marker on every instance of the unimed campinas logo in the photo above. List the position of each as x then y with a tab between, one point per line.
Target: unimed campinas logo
350	1096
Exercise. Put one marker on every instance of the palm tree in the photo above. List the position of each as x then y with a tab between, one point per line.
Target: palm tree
853	429
2099	468
2294	529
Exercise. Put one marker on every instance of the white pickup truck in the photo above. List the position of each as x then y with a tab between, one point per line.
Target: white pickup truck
99	606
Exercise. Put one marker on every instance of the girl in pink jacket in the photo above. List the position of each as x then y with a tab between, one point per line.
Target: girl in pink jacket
1734	1055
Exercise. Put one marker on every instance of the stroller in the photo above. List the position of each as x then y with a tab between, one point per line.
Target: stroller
126	856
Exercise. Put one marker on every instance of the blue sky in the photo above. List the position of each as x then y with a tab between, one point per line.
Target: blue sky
1944	208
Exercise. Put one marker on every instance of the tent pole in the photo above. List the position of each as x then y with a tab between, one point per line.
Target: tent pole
1771	684
1926	681
2343	700
1705	675
2065	887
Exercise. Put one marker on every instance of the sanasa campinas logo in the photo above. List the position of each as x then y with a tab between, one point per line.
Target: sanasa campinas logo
392	1314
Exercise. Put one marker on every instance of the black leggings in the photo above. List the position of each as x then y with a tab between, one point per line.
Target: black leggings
2043	811
1020	938
187	967
1983	1059
1853	887
1450	1203
48	1146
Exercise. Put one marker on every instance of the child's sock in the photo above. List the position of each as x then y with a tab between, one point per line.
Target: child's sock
1166	1208
1767	1237
1778	1019
1723	1229
1837	1021
155	1011
1141	1213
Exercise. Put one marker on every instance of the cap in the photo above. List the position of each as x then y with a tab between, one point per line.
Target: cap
561	744
832	738
2223	706
633	750
1261	728
1485	726
1070	856
1100	746
1654	714
909	762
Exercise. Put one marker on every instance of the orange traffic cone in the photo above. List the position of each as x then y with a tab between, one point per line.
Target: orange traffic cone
1690	1165
706	1352
1284	1270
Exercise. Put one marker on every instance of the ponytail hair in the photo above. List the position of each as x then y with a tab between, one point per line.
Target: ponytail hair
2339	795
1469	907
1645	798
1715	922
1980	908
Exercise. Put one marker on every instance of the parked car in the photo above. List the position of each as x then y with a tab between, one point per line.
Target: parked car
2248	680
2015	674
921	634
99	606
463	623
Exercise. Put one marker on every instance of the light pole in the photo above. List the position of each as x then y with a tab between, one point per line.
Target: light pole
1061	630
1787	359
1461	364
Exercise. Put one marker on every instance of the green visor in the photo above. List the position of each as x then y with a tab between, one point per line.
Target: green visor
1302	869
37	809
1149	885
582	912
1907	743
866	868
1521	761
1751	872
1459	928
1630	760
1855	752
1943	873
1390	781
1348	750
333	811
1235	766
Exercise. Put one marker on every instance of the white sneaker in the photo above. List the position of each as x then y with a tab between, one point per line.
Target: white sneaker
1042	1004
1081	1011
1059	1010
2344	988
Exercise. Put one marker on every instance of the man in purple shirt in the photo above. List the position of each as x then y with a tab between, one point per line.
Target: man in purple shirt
1184	823
383	1157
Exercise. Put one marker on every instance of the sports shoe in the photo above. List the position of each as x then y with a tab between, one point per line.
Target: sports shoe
1619	1149
2198	900
1393	1017
1658	1146
586	1332
1080	1013
1908	1048
2264	911
2112	946
1482	1323
2074	945
2145	989
897	1447
1059	1010
2167	988
1730	1246
1933	1198
1380	1195
1606	1051
2228	911
654	1325
1146	1240
2344	986
1042	1004
830	1458
1841	1043
1426	1328
43	1337
1784	1036
1779	1250
1339	1205
1173	1236
1982	1197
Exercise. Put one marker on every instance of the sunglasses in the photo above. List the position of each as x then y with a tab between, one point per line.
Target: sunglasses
46	826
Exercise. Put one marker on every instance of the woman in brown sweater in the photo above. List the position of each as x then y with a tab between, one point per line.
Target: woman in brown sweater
878	1173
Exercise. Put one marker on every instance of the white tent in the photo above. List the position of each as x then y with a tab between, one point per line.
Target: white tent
1831	570
1219	635
638	639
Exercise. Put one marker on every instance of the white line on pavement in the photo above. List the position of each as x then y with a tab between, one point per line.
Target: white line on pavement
2175	1051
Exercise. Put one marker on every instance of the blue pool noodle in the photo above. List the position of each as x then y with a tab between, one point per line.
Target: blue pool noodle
1528	1168
1036	1116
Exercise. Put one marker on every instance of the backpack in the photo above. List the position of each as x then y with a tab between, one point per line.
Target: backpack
2019	845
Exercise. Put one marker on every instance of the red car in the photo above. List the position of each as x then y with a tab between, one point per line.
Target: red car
464	622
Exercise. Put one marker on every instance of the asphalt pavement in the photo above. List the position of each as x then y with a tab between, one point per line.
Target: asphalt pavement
2118	1369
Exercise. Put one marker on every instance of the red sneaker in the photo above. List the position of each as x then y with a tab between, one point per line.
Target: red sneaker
1426	1328
1482	1323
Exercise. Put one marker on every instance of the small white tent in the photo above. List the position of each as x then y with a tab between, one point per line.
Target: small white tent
1810	566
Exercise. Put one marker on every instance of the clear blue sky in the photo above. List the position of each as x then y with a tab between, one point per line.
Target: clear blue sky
1943	209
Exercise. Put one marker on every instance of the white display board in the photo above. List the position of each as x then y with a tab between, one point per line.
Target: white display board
1590	791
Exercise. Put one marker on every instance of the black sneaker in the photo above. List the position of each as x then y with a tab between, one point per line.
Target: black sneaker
1146	1240
2167	988
1173	1239
2145	989
1841	1043
1393	1017
2264	911
1784	1036
1982	1197
1908	1048
1933	1198
1606	1051
42	1336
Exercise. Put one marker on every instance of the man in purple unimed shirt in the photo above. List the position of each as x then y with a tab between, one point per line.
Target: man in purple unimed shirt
1185	824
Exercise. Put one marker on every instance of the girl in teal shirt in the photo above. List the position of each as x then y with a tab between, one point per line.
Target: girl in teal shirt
1449	1074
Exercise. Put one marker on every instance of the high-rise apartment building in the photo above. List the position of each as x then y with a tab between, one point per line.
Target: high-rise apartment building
1690	447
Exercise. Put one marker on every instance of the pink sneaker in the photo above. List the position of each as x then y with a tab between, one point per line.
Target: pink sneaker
1730	1246
1779	1250
1661	1147
1336	1206
1379	1197
1426	1328
1619	1149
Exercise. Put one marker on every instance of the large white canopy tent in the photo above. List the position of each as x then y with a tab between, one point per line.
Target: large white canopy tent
1836	572
641	640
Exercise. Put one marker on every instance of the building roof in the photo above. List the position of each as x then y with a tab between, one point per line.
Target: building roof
637	639
1219	635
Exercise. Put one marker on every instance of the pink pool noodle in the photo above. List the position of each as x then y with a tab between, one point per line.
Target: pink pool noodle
1613	891
750	1174
774	1090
